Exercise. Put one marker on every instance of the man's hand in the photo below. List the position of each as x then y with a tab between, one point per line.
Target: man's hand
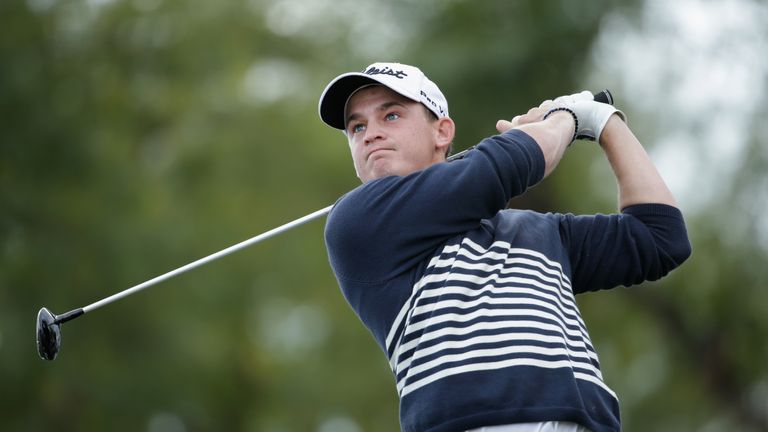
592	116
533	115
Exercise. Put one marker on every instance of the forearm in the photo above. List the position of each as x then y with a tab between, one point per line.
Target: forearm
638	180
552	135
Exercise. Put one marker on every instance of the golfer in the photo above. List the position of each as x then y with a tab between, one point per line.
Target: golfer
472	303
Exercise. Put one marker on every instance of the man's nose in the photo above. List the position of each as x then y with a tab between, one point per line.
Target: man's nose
373	132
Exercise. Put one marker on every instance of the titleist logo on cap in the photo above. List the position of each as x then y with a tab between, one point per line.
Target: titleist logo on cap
386	71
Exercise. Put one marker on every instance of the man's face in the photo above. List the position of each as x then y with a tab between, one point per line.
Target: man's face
390	134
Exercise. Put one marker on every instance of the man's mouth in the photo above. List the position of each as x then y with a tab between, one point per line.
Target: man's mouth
378	151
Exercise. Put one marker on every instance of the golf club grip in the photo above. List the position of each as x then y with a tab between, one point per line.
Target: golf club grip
603	96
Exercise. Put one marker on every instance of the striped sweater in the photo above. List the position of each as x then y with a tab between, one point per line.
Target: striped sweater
473	304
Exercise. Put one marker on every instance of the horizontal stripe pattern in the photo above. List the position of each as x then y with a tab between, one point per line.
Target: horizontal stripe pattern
481	309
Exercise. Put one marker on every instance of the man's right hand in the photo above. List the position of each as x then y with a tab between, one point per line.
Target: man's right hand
535	114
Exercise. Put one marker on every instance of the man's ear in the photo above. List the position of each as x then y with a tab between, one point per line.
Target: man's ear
445	131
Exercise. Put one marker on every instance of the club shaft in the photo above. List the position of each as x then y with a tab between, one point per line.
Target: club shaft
207	259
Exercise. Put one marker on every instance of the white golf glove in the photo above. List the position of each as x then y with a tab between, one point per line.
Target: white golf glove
591	116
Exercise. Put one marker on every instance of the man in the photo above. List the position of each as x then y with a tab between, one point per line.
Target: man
473	303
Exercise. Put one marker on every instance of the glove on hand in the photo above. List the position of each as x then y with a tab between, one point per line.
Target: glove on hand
591	116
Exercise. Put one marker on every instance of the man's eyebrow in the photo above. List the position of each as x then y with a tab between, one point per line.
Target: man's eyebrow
387	105
383	107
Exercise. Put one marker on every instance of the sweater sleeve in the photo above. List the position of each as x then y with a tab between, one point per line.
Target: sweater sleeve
644	242
386	226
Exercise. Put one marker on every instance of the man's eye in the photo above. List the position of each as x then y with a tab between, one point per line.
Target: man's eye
393	116
357	128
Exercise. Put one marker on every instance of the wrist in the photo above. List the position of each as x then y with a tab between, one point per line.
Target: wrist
565	118
613	127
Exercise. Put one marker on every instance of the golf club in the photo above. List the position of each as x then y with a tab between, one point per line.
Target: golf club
48	325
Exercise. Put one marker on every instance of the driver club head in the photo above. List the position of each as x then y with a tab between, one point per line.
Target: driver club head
48	335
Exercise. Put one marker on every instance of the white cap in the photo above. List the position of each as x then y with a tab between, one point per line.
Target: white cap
406	80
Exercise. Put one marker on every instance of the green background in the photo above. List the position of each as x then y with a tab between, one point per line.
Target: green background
137	136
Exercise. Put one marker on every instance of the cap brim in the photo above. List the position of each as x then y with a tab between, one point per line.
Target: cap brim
334	99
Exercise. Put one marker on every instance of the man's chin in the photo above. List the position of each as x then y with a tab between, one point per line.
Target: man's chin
380	168
375	176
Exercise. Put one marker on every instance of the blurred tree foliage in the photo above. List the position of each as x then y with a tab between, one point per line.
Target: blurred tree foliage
140	135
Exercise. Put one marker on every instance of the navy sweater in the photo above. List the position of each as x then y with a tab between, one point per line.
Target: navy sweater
473	304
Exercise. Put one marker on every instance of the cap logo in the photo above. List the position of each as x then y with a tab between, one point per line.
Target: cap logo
386	71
